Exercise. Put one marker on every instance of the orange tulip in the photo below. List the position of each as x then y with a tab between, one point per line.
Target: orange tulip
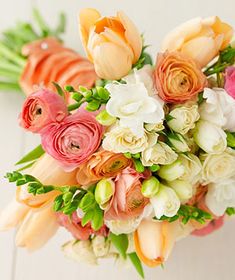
200	39
113	44
154	240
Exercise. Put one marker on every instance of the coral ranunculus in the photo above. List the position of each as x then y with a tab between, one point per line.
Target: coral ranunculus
74	140
128	200
177	77
200	39
113	44
103	164
40	109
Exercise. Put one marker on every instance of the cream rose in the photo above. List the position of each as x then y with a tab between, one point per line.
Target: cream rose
100	246
160	153
210	137
218	167
183	118
183	189
192	168
221	196
219	108
123	140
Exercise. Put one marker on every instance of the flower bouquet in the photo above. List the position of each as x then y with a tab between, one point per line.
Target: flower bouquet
137	161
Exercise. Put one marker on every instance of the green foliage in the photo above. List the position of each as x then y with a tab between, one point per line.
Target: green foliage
137	264
120	242
144	59
31	157
230	211
187	213
231	139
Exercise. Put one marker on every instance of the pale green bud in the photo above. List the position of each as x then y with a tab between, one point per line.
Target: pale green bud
105	119
104	191
183	189
179	143
172	171
150	187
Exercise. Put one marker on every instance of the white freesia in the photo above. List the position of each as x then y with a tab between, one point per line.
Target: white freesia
166	202
132	104
192	168
123	140
80	251
178	142
219	108
218	167
100	246
183	189
221	196
160	153
172	171
210	137
183	118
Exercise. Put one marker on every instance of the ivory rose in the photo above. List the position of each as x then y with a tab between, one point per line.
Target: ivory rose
218	167
113	44
74	140
123	140
42	108
200	39
218	108
230	81
128	201
102	164
177	77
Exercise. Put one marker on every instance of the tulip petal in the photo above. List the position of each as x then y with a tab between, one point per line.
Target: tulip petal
37	228
87	18
132	34
201	49
111	61
12	215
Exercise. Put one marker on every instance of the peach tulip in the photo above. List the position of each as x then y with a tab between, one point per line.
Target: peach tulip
113	44
33	215
201	39
154	240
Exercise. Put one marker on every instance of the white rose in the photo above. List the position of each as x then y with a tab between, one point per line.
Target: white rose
80	251
178	142
221	196
210	137
183	189
133	106
123	140
218	167
160	153
100	246
219	108
183	118
192	168
166	202
152	127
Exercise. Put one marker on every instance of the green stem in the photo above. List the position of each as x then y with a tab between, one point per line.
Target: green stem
8	86
75	106
9	74
9	66
9	54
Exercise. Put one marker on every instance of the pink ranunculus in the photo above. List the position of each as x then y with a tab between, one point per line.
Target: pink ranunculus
128	200
74	140
42	108
74	226
230	81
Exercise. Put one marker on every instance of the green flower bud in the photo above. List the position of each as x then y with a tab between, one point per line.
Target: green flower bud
102	93
103	192
138	166
172	171
150	187
77	96
69	88
67	197
128	155
230	139
93	105
183	189
105	119
136	156
154	168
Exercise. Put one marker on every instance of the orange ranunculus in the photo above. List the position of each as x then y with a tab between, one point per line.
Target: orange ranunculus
101	164
177	77
200	39
113	44
154	240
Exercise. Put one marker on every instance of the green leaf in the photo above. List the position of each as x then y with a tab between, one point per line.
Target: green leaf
87	217
97	220
58	203
59	89
26	166
120	242
32	155
230	211
137	264
87	202
169	118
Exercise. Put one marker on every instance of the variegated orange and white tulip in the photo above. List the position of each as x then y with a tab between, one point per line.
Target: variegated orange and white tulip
154	240
113	44
33	215
200	39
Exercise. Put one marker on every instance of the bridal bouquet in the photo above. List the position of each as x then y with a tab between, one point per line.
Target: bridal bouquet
134	156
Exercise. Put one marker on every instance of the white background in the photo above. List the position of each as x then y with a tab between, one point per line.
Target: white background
210	258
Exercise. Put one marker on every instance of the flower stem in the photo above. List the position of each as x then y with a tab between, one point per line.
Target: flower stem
12	56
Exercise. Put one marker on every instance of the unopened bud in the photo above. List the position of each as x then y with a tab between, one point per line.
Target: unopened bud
150	187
